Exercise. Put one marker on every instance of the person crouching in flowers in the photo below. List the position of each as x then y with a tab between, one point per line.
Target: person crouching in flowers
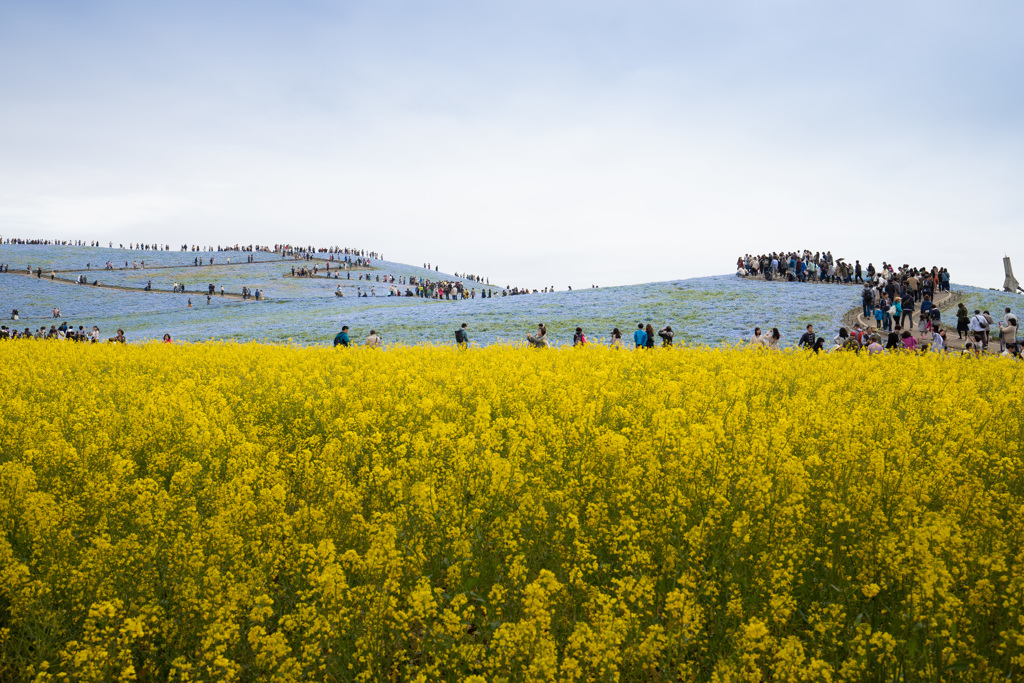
539	340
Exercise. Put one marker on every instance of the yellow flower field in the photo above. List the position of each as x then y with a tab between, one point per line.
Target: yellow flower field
255	512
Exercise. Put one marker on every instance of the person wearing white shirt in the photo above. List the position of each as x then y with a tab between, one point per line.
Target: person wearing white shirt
758	341
977	327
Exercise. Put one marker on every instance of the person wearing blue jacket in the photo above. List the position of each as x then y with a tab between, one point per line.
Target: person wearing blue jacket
341	339
640	337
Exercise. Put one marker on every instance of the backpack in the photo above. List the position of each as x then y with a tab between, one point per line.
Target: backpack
459	335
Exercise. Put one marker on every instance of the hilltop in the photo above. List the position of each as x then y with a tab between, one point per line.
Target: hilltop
708	310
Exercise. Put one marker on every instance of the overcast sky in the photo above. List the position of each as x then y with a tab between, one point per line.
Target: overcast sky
535	142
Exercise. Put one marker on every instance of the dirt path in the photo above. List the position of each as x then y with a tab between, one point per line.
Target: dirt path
119	288
184	266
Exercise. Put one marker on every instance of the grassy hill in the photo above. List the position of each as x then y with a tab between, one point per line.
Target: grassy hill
708	310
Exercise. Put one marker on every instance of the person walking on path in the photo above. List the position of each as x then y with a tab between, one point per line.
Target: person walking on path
640	337
908	313
977	327
962	317
342	339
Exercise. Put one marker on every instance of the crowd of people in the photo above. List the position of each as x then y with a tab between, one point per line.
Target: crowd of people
804	266
344	258
644	337
62	332
876	340
892	301
867	338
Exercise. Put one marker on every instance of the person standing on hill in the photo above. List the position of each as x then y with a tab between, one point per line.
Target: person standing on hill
867	299
978	326
667	335
907	313
938	340
640	336
758	341
373	341
990	324
616	339
342	339
462	336
1008	335
807	339
649	331
962	318
539	340
579	339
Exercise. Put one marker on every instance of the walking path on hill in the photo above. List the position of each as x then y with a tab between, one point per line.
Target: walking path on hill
182	266
121	288
945	303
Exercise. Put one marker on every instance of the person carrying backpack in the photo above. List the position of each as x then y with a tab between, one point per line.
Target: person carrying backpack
579	339
462	337
342	338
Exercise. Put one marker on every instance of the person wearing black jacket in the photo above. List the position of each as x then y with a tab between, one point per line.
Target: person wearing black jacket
807	339
908	312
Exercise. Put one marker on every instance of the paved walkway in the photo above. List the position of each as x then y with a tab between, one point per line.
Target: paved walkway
945	302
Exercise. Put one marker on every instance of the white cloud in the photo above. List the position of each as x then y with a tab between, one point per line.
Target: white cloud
626	146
